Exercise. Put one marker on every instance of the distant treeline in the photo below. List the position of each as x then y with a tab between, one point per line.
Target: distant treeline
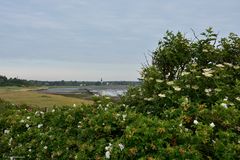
4	81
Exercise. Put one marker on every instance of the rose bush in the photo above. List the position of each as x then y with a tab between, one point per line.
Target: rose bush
187	107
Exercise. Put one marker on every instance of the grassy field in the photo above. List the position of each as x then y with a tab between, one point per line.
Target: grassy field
29	96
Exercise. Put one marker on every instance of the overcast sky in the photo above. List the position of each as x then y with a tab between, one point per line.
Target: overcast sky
90	39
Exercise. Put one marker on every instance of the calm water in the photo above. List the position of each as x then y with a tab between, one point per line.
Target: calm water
113	91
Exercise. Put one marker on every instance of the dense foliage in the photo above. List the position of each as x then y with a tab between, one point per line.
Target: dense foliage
187	107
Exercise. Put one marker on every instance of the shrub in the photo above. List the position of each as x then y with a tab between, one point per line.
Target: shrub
184	109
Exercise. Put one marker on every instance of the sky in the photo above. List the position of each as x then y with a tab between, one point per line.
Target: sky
92	39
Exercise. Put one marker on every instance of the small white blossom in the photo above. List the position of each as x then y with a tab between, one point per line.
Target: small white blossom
30	150
176	88
170	83
159	80
45	147
109	147
28	117
151	78
27	125
194	64
195	122
121	146
133	95
206	74
185	73
107	155
53	110
224	105
228	64
180	125
6	131
212	125
207	90
22	121
74	105
149	99
124	117
237	98
220	65
236	67
195	87
40	125
161	95
207	70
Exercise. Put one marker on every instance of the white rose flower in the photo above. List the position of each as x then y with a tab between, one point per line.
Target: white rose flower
40	125
161	95
238	98
121	146
185	73
6	131
228	64
107	155
195	122
224	105
220	65
159	80
212	125
176	88
170	83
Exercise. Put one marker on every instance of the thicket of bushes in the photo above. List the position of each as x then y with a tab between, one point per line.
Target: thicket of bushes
186	108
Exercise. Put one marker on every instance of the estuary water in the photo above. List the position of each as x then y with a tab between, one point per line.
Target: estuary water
106	90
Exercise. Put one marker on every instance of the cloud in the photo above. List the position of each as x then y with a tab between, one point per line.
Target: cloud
103	32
